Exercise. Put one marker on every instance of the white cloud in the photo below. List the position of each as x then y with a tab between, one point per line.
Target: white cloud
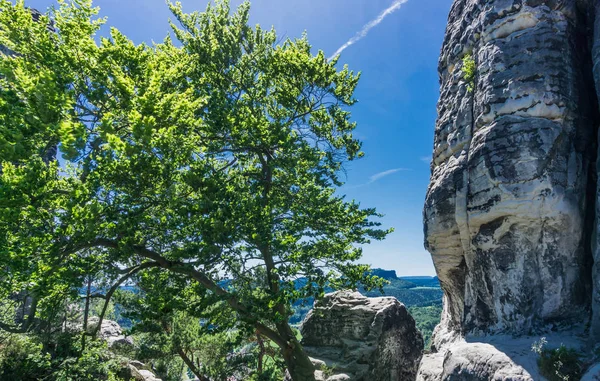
425	159
380	175
370	25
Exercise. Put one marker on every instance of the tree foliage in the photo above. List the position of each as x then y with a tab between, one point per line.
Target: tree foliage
210	162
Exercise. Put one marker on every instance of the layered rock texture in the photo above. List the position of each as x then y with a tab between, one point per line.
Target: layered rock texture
356	338
511	213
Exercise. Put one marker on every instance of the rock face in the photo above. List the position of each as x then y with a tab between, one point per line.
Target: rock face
472	362
385	274
595	323
495	357
360	338
510	210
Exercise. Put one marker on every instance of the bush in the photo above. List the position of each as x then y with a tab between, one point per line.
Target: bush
469	69
558	364
24	358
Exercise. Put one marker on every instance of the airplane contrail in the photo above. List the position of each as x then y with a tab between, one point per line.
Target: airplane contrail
370	25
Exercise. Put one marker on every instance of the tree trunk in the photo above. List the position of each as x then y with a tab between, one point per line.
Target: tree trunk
86	313
298	364
297	361
261	353
190	365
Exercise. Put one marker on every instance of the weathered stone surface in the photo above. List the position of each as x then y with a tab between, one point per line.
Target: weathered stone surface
362	338
592	374
512	211
595	322
508	213
112	333
496	357
471	362
137	371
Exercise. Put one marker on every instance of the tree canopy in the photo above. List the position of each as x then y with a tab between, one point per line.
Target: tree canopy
206	165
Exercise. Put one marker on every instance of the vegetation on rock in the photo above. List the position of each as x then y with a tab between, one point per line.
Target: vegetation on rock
558	364
469	69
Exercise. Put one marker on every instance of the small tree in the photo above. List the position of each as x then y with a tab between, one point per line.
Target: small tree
214	163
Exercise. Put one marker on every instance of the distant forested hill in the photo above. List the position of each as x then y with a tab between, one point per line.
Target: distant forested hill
422	295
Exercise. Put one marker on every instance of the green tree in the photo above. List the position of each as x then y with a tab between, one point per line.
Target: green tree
213	162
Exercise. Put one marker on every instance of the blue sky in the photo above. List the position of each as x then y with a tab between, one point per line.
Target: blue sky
397	95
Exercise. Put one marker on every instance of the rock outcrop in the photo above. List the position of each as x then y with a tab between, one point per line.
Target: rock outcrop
111	332
511	213
362	339
496	357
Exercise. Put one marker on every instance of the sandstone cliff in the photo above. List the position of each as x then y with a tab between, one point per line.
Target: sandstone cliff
511	213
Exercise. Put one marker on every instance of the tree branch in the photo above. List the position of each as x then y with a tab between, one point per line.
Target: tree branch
114	288
205	281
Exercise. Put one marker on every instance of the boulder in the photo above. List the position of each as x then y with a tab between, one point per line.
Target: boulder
496	357
112	333
136	371
473	362
359	338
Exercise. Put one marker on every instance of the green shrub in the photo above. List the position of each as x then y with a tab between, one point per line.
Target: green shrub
328	371
558	364
24	358
469	69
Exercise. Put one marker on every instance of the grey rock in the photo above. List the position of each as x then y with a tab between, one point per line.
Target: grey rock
134	373
483	362
508	214
122	345
512	212
112	333
595	322
136	370
592	374
495	357
148	375
137	364
362	338
109	330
